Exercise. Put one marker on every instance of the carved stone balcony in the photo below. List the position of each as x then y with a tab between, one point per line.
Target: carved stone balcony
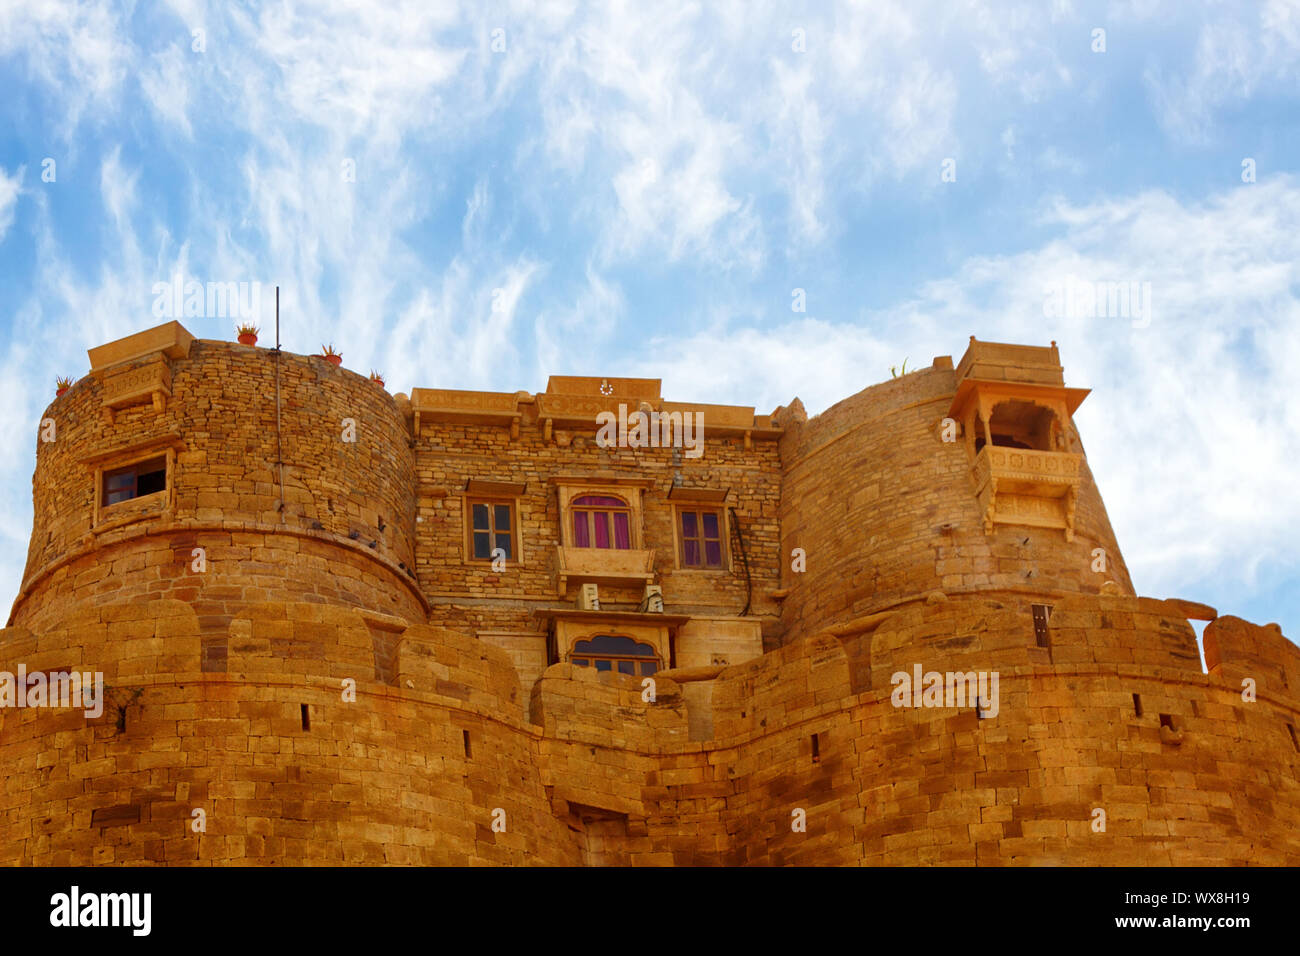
150	383
1027	487
613	566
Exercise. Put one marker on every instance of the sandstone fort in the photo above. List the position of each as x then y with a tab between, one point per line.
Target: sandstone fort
336	625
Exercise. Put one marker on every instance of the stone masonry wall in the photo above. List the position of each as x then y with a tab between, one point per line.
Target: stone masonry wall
285	769
588	771
902	785
471	596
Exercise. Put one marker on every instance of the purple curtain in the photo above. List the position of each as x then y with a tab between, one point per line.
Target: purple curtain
712	540
591	528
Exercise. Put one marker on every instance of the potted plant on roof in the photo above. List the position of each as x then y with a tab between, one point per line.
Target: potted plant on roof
329	355
377	378
247	334
61	385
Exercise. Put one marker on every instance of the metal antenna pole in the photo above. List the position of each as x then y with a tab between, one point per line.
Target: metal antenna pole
279	457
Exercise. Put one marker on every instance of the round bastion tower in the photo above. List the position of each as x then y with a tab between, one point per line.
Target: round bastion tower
221	475
962	481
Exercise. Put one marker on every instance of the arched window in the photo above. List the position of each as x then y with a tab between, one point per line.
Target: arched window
1020	424
601	521
610	652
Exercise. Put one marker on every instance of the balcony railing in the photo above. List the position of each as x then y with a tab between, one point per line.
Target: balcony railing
1027	486
614	566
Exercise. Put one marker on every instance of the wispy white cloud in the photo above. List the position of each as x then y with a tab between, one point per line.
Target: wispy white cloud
1242	49
165	83
76	49
10	187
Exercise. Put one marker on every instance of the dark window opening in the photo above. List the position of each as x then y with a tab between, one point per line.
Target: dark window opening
1295	741
491	527
1002	441
816	748
306	717
623	655
1167	720
135	481
1020	424
469	750
1137	704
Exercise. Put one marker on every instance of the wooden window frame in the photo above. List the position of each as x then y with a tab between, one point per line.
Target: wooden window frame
516	538
614	659
700	507
611	510
135	471
629	490
130	508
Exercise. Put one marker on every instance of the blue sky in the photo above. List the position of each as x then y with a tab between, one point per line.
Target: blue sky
637	189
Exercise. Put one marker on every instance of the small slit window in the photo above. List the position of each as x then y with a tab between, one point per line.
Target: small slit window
134	481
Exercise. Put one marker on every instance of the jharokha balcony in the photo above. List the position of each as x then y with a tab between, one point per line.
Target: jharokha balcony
1028	487
1016	414
624	568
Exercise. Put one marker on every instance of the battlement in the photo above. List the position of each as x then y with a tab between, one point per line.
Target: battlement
398	743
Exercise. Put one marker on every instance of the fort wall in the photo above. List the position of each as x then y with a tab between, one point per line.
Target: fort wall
340	684
587	771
